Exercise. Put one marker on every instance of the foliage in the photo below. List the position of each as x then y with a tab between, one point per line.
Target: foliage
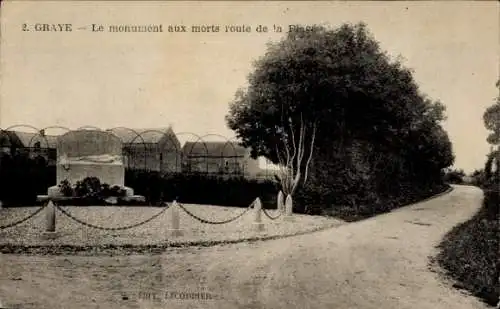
21	180
491	118
375	130
201	189
454	176
470	251
478	177
66	188
492	168
23	177
92	188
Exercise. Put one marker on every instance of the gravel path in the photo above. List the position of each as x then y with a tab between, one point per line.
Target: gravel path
153	233
381	262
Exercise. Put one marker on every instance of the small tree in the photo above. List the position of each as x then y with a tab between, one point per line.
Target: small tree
293	168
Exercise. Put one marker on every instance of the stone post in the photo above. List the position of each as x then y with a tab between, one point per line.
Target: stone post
281	202
50	216
1	208
175	229
50	221
288	208
257	224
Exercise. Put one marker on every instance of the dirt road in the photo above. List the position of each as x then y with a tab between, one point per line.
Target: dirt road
381	262
378	263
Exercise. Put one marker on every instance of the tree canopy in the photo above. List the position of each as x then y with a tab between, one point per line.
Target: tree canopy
491	119
340	83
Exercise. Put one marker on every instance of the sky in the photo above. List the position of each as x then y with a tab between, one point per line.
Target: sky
148	80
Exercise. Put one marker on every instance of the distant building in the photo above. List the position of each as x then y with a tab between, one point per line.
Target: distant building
150	149
218	158
145	149
32	144
153	150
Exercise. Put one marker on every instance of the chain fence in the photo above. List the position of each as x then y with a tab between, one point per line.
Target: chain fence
121	228
155	163
143	222
30	216
215	222
159	164
270	216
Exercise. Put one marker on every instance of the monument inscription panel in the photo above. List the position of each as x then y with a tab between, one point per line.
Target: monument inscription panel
90	153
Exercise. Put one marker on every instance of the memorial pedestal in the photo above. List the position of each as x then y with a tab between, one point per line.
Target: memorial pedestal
110	173
90	153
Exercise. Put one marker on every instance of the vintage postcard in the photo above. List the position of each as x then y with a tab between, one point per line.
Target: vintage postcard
249	154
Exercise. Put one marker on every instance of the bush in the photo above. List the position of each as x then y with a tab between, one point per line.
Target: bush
90	191
454	177
201	189
469	253
90	187
23	178
357	201
492	203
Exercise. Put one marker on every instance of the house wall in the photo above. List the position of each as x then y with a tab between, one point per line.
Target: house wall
214	165
152	157
170	158
170	162
141	157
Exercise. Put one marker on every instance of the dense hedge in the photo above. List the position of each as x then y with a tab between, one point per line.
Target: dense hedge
23	178
469	253
361	202
201	189
354	189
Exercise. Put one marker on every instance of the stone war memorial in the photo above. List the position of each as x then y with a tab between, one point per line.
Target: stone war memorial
90	153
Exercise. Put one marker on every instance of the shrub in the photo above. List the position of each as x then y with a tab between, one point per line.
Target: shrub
22	178
356	199
90	187
491	203
469	252
201	189
454	176
66	188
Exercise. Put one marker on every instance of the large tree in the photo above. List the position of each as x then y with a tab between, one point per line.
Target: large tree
491	119
329	91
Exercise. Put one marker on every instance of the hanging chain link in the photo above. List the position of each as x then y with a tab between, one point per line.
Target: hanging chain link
121	228
2	227
215	222
271	217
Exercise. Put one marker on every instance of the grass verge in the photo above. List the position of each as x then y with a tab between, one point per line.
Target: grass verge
354	214
469	253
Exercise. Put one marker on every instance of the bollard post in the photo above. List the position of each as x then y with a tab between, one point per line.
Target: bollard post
257	224
175	229
281	203
288	208
50	221
1	208
50	216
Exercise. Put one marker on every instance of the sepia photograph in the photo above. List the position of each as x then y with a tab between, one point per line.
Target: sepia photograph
249	154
